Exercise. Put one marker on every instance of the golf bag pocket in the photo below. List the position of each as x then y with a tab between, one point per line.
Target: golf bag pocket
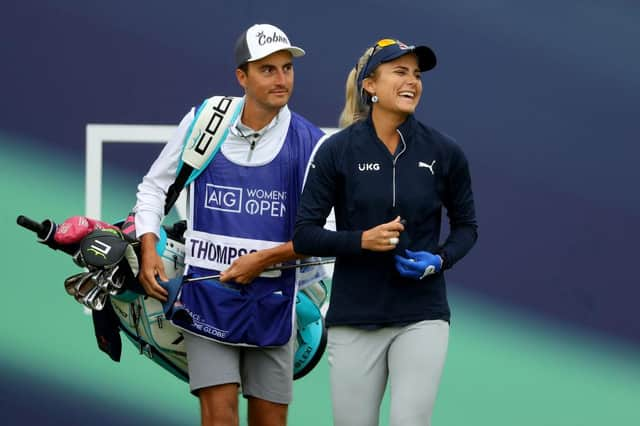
257	314
143	322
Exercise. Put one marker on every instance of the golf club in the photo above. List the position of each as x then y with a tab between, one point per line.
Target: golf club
279	268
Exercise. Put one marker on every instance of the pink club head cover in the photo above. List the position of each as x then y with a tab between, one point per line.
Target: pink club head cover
75	228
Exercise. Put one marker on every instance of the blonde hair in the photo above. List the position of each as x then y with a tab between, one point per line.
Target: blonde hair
355	109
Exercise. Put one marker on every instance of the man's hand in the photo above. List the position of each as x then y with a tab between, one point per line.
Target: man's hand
383	237
151	266
418	264
245	269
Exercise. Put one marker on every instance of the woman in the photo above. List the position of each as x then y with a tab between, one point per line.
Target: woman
388	177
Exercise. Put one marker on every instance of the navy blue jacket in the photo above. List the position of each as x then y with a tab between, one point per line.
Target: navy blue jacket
355	173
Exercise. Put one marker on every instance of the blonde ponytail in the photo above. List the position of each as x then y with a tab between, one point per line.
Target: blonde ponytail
354	107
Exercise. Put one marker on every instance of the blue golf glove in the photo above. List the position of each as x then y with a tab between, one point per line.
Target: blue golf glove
418	264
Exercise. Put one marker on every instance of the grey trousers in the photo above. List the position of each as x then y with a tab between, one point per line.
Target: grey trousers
411	358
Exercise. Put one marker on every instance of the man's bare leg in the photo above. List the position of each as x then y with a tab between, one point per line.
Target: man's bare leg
266	413
219	405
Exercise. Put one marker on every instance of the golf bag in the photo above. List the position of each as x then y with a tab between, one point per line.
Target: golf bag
109	288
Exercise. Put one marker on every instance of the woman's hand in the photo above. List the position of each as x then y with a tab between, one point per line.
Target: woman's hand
418	264
383	237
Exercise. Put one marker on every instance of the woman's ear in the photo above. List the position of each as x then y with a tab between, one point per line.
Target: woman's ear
369	86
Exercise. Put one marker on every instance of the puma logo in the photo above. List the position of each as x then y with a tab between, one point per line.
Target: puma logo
428	166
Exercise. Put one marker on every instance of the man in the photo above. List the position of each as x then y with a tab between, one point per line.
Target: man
241	218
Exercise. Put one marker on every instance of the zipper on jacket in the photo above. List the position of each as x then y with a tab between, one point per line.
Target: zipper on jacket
395	159
252	142
252	145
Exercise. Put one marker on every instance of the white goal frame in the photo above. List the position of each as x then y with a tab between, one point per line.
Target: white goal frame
99	134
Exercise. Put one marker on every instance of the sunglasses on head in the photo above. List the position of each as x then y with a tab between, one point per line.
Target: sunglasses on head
380	44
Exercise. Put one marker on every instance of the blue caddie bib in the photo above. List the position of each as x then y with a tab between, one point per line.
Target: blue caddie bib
237	210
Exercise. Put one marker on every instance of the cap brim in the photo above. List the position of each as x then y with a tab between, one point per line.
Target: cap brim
296	51
426	58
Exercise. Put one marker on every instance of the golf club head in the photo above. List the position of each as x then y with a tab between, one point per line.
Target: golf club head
110	274
118	283
84	286
102	279
88	300
112	280
97	300
71	282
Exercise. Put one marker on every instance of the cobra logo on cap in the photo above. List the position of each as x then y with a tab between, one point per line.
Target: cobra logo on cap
275	38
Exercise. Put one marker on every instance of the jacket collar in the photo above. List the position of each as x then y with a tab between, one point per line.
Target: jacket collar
406	128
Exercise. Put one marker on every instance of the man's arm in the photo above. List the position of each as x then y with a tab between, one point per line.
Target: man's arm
246	268
149	210
152	191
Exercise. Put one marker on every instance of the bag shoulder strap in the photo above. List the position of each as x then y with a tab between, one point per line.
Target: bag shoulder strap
202	142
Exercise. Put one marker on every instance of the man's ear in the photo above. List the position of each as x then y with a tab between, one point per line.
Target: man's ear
241	76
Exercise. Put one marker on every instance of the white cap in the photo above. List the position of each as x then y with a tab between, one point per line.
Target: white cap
260	41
